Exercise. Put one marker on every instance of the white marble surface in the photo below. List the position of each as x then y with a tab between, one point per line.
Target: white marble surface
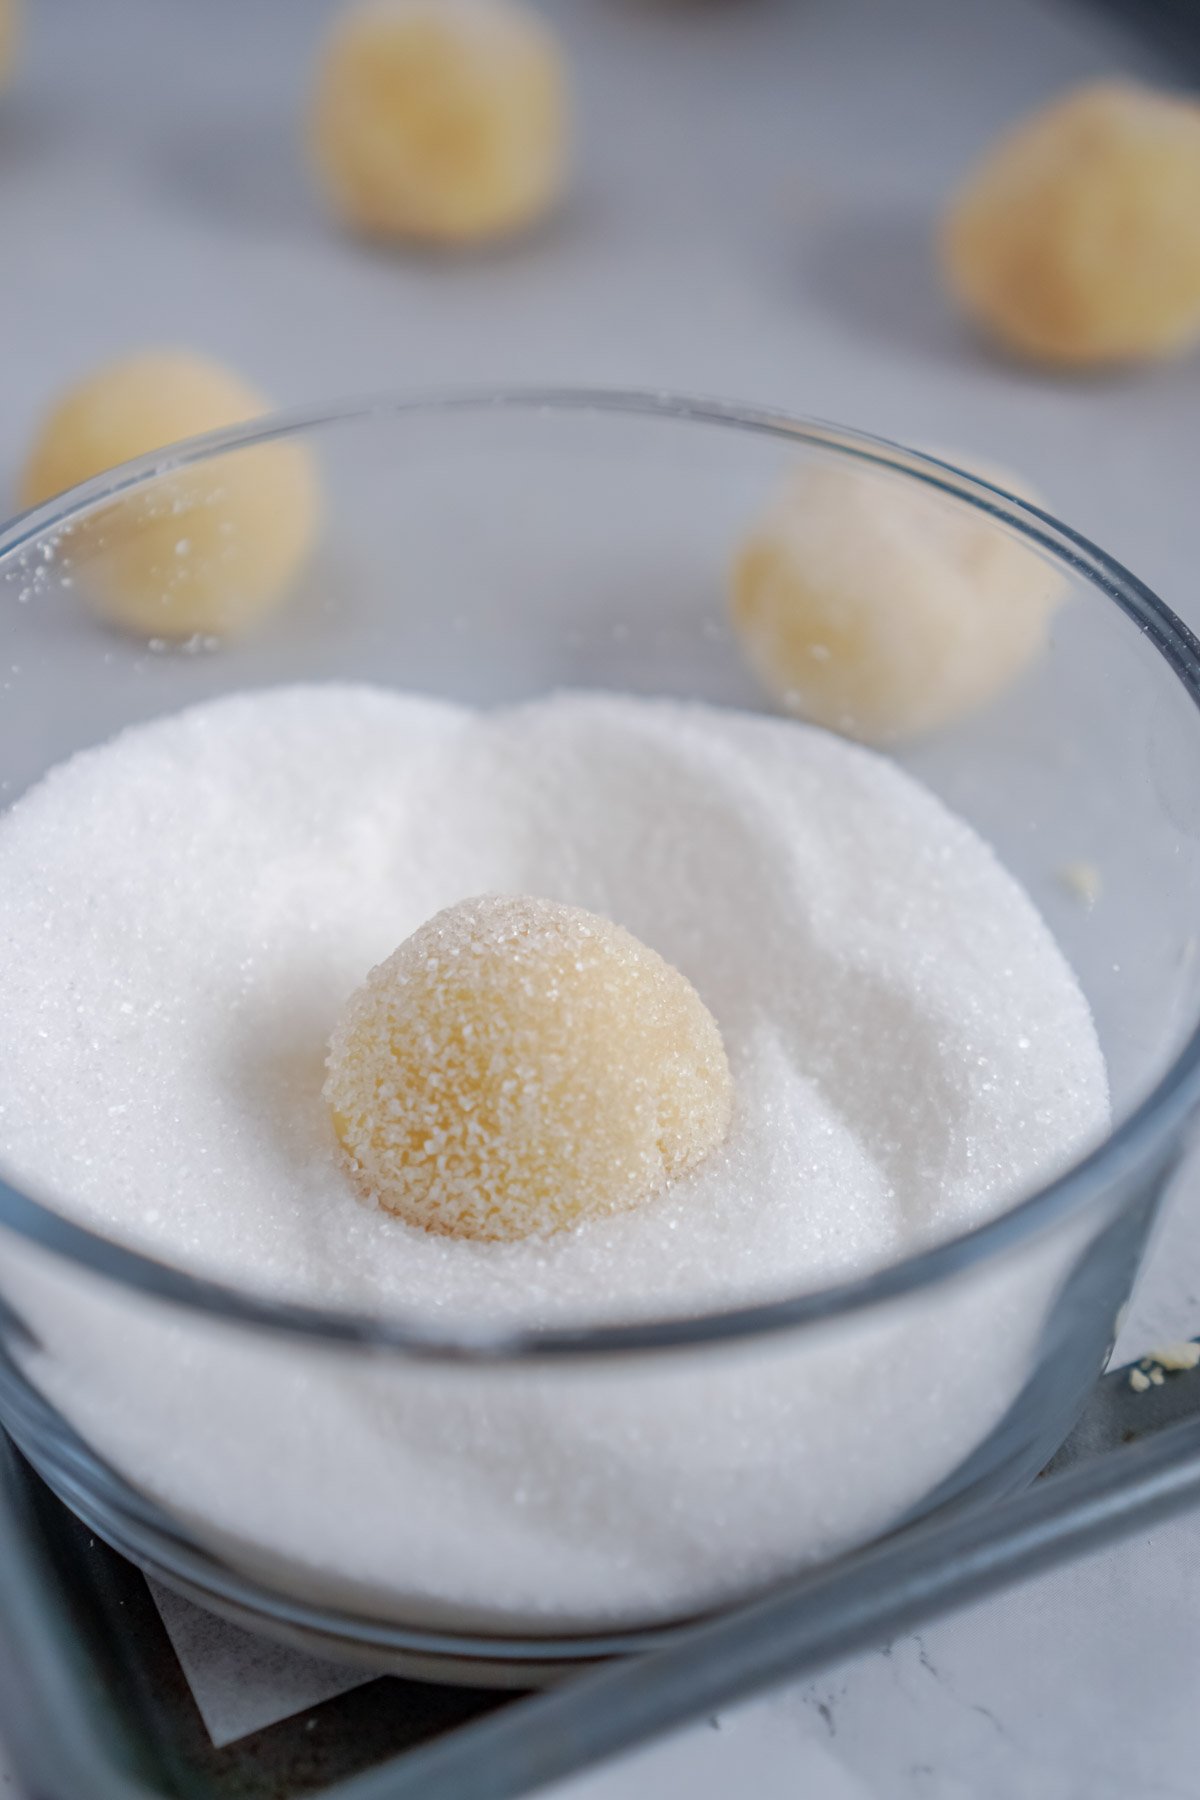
757	185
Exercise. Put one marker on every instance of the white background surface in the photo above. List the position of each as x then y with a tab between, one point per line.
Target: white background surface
757	185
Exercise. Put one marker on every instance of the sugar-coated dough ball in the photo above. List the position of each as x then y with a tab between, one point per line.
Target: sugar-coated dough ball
1078	238
881	610
441	119
209	549
518	1066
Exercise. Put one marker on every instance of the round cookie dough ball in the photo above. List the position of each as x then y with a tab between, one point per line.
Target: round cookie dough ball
443	120
208	549
518	1066
882	610
1078	238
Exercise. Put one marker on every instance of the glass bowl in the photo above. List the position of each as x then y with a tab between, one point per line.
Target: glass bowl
490	547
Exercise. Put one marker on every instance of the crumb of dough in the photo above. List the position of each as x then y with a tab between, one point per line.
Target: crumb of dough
1083	880
1183	1355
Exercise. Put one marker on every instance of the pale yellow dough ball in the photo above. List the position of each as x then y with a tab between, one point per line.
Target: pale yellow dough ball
883	611
443	120
209	549
1077	240
518	1066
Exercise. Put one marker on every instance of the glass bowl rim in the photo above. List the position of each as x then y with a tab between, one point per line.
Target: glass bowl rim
1149	1130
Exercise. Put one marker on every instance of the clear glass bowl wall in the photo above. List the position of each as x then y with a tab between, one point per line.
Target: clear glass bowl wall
491	548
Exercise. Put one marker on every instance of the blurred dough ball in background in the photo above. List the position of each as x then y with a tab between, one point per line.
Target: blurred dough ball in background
1077	239
883	612
442	120
9	33
207	551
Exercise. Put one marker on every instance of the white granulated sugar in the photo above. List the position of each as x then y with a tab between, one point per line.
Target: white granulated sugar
185	911
183	914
